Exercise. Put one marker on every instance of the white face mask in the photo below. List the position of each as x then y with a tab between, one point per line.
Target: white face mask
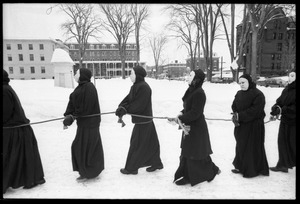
77	75
244	84
292	77
132	76
191	77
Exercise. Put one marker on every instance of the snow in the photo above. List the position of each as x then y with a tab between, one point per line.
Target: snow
60	55
42	101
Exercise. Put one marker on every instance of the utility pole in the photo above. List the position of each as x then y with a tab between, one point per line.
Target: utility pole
94	72
222	66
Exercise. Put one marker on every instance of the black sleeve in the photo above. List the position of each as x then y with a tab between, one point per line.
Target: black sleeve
8	106
140	100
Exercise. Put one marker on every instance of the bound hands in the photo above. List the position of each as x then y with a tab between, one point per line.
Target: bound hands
275	112
176	120
235	119
68	120
120	112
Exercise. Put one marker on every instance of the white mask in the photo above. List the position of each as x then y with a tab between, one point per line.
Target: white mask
77	75
292	77
191	77
132	76
244	84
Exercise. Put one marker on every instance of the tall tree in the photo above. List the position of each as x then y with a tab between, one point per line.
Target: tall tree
157	44
260	15
120	24
230	36
140	13
82	25
184	27
209	18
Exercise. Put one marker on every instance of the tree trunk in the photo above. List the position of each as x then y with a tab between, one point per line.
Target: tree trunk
254	54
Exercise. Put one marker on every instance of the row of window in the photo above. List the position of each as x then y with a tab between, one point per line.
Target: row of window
274	55
20	46
111	59
111	53
278	66
103	46
22	70
21	58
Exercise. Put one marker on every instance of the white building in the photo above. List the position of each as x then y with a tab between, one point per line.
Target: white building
29	58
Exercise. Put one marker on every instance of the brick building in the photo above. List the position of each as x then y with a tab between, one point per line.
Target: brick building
276	47
104	58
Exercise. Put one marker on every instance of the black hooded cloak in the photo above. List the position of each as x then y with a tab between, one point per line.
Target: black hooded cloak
250	156
195	161
87	150
287	128
22	164
144	147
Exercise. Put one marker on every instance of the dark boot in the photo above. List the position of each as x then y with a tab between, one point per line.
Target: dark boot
282	169
182	181
124	171
153	168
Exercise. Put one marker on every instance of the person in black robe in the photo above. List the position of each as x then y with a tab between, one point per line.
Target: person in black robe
249	131
286	107
22	165
144	147
195	164
87	150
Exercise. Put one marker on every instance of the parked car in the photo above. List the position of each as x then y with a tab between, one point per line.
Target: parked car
273	81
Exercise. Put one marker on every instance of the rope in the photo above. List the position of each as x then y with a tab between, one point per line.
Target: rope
92	115
45	121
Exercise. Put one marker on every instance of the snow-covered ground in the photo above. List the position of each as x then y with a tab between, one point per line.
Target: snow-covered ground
42	101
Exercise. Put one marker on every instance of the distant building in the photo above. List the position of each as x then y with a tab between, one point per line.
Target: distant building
201	64
104	58
175	70
276	50
29	58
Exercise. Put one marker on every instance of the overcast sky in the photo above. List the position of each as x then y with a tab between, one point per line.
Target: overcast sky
31	21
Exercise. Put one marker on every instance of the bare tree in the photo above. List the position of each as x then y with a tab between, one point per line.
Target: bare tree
260	15
120	24
157	43
184	27
230	40
209	19
140	13
82	25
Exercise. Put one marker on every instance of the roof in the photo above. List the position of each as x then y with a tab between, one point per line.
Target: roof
60	55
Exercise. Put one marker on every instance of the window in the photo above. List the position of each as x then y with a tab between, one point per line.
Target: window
43	70
279	47
274	36
9	57
280	36
21	70
19	46
41	46
275	24
72	47
11	70
20	57
272	66
278	66
30	46
42	58
31	57
32	70
8	46
279	56
273	56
